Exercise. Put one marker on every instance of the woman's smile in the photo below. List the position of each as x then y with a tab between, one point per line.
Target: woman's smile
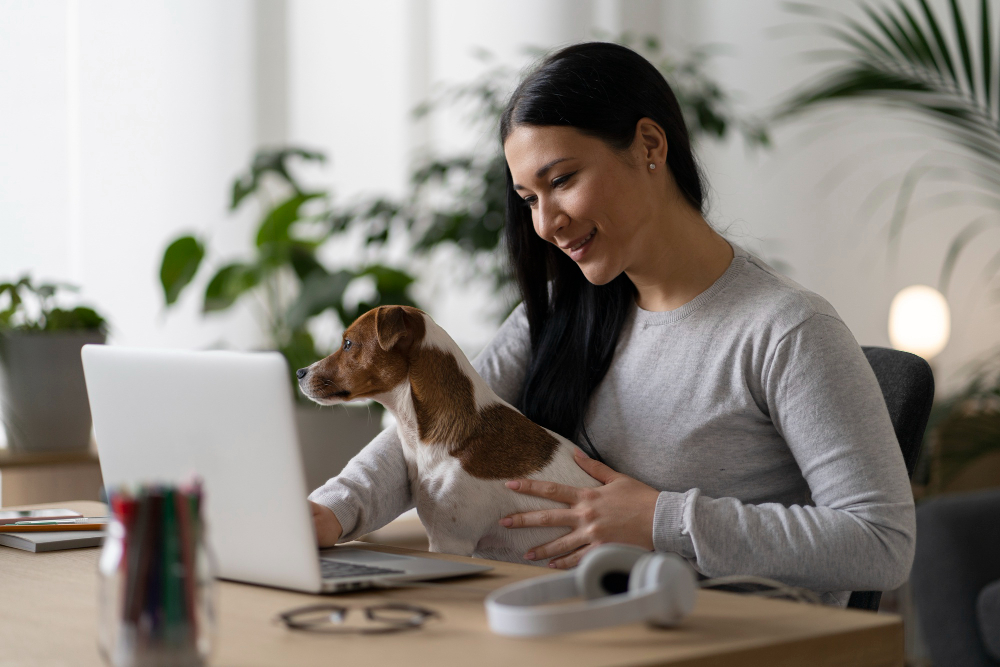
578	248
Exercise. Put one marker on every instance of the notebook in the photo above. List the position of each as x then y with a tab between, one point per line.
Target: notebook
52	541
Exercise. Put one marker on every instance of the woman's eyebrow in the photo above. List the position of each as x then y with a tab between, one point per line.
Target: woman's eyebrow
542	170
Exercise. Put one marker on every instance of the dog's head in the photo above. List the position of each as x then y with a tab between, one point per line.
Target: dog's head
373	359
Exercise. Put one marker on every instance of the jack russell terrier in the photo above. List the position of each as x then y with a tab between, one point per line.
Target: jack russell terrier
460	440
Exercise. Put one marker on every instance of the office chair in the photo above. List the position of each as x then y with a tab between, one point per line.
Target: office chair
956	578
907	385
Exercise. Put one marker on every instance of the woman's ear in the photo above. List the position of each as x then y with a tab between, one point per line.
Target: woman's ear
651	141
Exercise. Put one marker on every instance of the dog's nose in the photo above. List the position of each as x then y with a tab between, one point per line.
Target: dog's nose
301	373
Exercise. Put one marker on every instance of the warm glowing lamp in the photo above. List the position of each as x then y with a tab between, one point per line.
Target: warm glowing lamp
919	321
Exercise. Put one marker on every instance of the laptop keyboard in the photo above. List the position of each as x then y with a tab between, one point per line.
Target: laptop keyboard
335	569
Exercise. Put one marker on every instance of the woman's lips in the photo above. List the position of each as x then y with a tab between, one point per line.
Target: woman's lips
580	248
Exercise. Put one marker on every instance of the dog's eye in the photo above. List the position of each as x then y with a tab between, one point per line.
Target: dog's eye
347	344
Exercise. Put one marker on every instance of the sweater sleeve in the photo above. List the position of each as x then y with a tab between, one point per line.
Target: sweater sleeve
373	488
859	533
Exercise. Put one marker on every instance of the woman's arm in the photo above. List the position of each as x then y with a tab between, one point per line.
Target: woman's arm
824	400
373	488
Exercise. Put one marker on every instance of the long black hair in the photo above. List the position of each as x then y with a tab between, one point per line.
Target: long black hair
602	90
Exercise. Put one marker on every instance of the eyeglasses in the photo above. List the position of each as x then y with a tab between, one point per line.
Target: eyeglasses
380	618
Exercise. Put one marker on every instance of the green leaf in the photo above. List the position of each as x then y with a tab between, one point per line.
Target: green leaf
274	228
389	280
320	291
958	244
923	43
303	259
15	301
179	266
274	161
963	46
942	45
391	289
80	318
987	59
228	284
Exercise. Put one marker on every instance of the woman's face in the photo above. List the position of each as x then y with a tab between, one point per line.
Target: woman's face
584	197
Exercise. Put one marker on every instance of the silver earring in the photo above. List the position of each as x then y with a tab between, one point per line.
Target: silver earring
652	166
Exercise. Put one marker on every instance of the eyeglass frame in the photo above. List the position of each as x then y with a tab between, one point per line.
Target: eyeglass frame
338	613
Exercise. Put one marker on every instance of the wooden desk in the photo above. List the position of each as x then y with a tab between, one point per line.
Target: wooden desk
48	604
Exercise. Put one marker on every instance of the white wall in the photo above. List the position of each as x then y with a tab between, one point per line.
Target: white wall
122	125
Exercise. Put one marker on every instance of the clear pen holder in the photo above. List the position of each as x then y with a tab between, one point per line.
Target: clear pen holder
156	583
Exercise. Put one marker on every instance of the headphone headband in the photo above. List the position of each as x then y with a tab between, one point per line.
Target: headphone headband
660	590
512	610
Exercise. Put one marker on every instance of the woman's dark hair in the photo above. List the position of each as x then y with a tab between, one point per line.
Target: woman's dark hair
602	90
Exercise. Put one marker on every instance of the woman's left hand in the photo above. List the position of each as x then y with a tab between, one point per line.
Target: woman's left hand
619	511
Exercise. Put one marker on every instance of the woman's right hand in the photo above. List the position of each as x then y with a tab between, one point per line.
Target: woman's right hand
328	528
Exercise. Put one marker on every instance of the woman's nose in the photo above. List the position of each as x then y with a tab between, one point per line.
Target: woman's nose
549	220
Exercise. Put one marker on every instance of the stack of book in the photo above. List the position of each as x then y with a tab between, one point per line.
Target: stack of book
50	530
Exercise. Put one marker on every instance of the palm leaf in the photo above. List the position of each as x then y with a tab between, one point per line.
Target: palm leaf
899	58
987	52
963	45
943	51
958	244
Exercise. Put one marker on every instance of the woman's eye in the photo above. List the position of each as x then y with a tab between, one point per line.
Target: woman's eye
530	200
556	182
347	344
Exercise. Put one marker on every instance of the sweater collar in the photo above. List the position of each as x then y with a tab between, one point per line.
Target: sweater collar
650	318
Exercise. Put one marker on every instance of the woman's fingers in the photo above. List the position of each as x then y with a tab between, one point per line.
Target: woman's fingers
558	547
555	517
595	469
326	524
571	559
557	492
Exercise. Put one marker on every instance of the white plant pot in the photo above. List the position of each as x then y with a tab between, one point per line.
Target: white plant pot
330	436
43	396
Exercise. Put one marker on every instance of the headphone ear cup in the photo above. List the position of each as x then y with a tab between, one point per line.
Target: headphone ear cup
670	578
607	570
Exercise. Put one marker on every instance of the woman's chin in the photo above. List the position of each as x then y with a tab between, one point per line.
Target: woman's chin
598	274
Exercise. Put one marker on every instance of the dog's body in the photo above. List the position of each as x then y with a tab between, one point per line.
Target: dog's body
460	440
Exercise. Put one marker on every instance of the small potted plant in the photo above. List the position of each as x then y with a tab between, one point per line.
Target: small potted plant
42	390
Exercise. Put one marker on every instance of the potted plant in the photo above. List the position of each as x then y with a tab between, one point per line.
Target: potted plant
42	390
287	283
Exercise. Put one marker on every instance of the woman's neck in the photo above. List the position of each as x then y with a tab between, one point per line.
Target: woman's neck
679	259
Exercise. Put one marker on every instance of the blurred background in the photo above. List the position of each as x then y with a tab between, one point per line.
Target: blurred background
255	174
124	125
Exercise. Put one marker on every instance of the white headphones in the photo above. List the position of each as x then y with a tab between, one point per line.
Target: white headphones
620	584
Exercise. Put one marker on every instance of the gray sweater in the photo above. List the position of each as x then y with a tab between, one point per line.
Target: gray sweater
755	413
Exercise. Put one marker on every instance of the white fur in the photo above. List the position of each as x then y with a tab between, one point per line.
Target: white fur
462	512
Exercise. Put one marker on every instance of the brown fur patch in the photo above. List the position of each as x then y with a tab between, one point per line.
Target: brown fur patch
505	444
496	442
443	397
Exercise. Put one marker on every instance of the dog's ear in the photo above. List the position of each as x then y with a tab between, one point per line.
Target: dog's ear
393	328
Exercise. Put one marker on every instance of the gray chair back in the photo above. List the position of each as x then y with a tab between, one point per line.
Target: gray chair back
958	557
907	385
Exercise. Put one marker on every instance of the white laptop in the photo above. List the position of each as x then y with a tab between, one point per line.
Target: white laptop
228	417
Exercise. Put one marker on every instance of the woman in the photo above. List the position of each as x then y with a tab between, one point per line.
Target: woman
737	419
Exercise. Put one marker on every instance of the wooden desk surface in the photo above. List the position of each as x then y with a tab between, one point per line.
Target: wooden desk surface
48	616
